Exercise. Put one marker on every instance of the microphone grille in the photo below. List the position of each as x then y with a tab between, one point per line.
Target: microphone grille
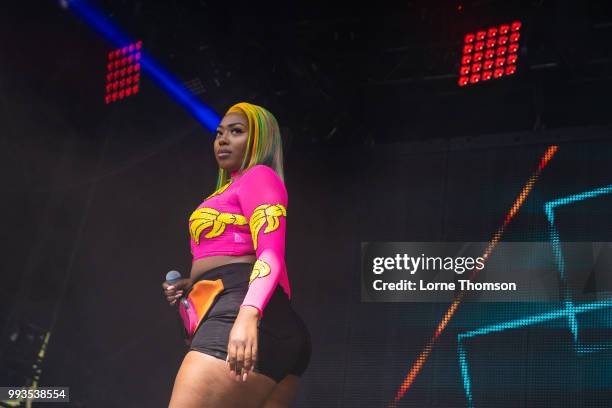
173	275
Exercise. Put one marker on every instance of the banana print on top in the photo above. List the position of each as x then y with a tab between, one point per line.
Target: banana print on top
205	217
266	214
260	269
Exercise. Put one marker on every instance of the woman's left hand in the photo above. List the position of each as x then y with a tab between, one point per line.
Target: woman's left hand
242	345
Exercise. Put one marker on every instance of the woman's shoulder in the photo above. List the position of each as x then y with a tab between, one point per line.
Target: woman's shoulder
263	172
261	177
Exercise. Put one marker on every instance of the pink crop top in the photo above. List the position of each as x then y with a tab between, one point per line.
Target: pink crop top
247	215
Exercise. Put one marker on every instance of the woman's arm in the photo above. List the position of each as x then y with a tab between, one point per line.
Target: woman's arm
263	199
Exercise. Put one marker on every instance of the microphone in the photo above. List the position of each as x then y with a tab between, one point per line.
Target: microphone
173	277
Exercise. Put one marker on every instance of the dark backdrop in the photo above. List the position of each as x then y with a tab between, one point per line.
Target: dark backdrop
95	206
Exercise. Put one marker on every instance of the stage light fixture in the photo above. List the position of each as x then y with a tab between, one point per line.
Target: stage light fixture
489	53
123	72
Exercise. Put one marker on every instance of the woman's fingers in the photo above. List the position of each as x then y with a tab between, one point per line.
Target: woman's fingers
239	361
171	293
242	347
253	355
231	359
168	289
247	361
171	289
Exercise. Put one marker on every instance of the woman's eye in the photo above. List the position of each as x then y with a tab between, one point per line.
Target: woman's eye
237	130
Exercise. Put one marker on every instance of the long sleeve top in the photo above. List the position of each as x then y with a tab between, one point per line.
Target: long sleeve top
247	215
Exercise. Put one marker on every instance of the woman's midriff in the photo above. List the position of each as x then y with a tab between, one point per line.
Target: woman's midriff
205	264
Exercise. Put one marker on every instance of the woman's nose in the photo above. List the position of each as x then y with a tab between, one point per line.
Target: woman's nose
223	138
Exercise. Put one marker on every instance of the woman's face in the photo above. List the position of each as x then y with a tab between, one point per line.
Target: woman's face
231	140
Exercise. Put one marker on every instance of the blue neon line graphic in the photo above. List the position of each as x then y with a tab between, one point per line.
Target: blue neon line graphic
535	319
569	311
467	384
549	208
201	112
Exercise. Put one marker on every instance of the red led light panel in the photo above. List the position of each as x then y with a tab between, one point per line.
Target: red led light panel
122	72
489	53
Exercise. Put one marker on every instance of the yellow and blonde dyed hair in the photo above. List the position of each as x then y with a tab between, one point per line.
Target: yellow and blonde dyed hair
264	145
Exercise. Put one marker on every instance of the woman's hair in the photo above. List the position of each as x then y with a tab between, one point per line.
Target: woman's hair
264	145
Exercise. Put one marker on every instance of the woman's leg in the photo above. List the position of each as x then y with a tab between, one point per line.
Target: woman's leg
283	393
204	381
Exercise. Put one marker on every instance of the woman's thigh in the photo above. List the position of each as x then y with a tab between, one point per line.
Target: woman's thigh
283	393
205	381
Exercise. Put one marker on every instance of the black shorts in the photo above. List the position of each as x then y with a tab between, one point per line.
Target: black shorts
283	341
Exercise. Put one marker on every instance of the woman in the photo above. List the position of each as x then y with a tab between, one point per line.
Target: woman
250	346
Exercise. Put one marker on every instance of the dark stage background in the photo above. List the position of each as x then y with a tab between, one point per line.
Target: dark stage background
96	198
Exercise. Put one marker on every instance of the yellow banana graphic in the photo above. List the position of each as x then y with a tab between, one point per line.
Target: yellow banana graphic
266	213
220	189
206	217
260	269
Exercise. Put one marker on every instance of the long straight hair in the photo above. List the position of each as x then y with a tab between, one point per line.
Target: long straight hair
264	144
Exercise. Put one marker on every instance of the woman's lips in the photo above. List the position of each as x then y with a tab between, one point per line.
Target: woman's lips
223	155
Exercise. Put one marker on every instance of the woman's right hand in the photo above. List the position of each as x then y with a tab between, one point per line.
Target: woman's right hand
174	291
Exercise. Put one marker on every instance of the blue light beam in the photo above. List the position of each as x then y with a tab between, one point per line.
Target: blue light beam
164	79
